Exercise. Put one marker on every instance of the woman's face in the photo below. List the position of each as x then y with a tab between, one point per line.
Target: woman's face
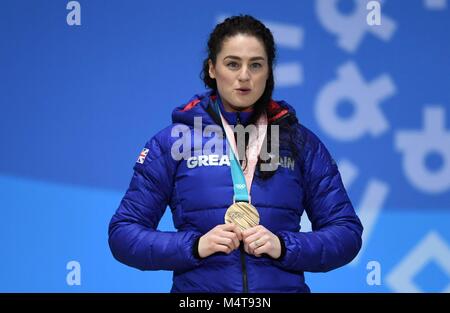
241	72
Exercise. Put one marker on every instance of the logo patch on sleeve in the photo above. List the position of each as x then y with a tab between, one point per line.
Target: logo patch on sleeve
142	156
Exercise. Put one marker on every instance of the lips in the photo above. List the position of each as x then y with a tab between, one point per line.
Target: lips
243	91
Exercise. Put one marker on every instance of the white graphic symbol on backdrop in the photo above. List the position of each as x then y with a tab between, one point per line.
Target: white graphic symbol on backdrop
374	15
74	16
73	277
286	74
351	28
431	248
365	98
433	140
435	5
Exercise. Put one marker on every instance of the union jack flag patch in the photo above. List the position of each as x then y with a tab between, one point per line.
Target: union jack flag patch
142	156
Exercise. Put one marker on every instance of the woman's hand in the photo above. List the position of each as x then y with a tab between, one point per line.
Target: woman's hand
222	238
259	240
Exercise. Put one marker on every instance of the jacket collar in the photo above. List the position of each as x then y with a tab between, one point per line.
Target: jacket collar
201	105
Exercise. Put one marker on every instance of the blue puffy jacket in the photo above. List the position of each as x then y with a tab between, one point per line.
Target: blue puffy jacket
198	194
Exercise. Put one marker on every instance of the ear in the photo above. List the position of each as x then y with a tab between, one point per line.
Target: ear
212	70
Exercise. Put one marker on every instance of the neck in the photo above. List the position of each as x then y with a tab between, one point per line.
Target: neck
234	116
230	108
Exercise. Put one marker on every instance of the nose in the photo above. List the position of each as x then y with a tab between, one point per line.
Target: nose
244	74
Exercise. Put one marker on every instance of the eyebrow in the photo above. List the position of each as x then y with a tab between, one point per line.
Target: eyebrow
238	58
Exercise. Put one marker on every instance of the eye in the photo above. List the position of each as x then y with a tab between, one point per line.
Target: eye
256	65
233	65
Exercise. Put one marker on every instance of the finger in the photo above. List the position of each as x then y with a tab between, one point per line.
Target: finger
260	242
218	239
251	247
260	250
250	231
264	239
222	248
251	250
232	236
252	238
227	226
236	242
246	249
226	241
237	230
257	243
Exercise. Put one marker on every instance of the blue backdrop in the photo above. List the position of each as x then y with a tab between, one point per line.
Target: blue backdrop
84	84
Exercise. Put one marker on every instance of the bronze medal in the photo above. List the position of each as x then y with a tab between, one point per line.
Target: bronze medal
242	214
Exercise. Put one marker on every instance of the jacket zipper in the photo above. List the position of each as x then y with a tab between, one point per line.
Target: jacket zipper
244	269
241	246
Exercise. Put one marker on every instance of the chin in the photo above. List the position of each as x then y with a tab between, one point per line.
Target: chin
243	106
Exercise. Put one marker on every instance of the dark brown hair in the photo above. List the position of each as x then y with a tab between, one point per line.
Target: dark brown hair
248	25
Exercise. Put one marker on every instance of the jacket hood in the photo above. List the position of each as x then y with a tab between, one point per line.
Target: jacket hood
200	105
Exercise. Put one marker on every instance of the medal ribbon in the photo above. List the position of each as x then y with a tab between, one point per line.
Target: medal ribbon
242	180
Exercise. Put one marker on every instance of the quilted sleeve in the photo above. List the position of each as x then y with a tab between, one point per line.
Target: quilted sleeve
336	229
133	236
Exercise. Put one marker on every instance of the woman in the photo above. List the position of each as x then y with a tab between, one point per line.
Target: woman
237	222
